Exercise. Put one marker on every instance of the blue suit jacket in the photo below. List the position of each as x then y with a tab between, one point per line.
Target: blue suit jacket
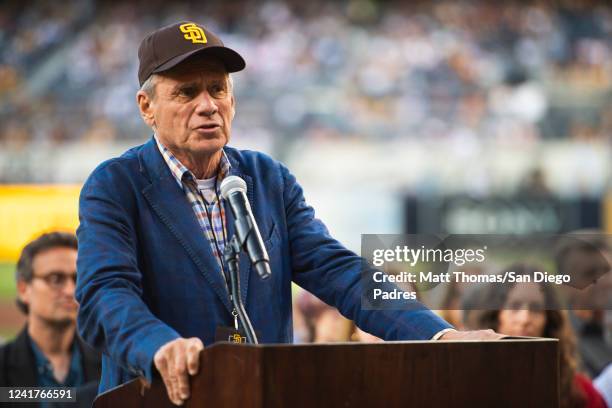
147	274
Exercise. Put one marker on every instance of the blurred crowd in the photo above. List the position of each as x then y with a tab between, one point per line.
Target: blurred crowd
469	71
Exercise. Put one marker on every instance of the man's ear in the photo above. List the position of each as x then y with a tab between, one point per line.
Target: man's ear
145	105
23	291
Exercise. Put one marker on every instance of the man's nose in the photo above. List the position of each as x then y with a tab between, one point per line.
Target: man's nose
206	104
70	287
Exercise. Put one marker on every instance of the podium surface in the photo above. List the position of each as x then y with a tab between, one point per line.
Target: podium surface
504	373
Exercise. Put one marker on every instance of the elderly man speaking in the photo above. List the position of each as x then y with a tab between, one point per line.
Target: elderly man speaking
153	230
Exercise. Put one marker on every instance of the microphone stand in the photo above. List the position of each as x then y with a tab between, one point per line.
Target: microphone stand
231	255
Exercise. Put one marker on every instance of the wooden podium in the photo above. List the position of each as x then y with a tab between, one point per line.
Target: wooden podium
505	373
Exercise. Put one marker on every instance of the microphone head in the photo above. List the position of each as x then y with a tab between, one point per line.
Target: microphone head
232	184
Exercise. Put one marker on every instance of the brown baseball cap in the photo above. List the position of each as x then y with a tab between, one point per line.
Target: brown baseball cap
173	44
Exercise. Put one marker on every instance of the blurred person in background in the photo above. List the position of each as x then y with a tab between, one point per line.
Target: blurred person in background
48	352
324	324
532	309
472	305
361	336
452	305
450	308
589	259
153	229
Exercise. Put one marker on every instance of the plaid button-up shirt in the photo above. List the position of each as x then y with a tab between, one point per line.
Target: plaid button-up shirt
208	210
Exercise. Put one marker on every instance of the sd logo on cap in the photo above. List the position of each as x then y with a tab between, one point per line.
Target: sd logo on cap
193	33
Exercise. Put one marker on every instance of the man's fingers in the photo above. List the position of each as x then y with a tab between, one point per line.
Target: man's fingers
490	334
161	363
173	393
173	382
160	360
166	379
175	361
180	374
164	362
170	383
193	356
487	334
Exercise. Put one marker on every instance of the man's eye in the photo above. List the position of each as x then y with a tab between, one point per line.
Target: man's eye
55	278
188	92
216	89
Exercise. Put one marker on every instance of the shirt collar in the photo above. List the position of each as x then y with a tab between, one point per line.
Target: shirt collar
45	369
183	174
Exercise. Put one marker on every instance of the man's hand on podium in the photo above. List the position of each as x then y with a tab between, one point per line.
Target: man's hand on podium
176	361
471	335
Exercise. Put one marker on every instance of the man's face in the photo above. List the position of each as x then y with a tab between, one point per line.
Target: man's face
192	109
50	293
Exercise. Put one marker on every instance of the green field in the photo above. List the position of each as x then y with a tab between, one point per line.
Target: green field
7	296
7	280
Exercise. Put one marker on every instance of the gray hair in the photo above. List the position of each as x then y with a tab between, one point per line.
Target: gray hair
148	87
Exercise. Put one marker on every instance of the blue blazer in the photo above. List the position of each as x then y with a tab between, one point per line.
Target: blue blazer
147	274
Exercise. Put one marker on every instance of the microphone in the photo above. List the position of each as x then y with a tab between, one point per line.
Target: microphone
233	190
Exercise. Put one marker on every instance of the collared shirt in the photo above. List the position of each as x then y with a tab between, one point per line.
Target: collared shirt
206	205
44	369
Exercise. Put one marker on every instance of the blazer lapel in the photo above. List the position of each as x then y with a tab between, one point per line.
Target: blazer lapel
171	205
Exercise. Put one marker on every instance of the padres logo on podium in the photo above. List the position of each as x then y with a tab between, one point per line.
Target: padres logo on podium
193	33
236	338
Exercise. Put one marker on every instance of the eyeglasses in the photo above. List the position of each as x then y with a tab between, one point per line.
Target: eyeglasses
57	280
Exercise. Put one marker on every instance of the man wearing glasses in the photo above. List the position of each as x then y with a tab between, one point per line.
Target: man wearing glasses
47	352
